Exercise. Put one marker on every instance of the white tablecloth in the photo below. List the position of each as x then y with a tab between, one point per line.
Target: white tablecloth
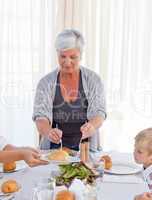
108	190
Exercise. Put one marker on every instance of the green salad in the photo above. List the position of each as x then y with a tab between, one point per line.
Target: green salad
75	170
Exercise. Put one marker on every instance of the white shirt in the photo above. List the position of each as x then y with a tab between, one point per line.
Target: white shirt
147	173
3	142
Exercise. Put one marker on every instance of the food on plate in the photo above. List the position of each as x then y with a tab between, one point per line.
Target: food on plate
65	195
67	150
59	155
79	170
7	167
10	186
71	152
107	161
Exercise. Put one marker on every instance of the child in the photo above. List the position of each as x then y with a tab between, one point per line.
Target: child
143	154
144	196
10	153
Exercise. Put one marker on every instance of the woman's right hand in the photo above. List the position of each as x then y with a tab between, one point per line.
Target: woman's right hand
55	135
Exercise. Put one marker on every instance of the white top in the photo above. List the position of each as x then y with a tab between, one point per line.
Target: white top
3	142
147	174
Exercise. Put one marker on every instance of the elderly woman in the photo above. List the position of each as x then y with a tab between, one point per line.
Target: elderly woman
69	102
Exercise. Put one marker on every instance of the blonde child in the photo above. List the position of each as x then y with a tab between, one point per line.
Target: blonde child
143	154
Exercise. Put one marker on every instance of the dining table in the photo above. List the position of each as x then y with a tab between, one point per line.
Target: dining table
112	186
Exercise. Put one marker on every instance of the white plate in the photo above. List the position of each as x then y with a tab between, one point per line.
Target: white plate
124	169
19	166
69	160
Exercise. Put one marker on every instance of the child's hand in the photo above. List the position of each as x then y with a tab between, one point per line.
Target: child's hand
32	158
144	196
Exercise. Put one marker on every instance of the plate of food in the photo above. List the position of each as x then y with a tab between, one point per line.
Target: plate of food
8	188
12	167
65	195
59	156
119	168
123	169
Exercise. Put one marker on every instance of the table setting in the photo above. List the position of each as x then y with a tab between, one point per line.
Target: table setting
123	180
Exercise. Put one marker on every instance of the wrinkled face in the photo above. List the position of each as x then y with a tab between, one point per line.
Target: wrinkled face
69	60
141	155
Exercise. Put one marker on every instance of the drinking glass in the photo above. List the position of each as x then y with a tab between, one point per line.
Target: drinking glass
44	189
91	193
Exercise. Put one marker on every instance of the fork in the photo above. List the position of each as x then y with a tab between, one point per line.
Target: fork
61	144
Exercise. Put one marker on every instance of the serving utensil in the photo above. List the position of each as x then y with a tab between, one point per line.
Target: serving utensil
61	144
61	138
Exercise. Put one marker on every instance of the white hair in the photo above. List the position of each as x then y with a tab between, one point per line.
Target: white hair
69	39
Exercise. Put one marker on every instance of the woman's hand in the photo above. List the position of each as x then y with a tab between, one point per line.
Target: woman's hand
32	158
87	130
144	196
55	135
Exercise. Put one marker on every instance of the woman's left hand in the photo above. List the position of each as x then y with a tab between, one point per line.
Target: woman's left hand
87	130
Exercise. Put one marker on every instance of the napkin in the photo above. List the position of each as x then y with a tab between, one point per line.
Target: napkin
44	194
58	189
78	188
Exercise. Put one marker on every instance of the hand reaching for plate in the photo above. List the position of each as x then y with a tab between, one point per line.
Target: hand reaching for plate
28	148
32	158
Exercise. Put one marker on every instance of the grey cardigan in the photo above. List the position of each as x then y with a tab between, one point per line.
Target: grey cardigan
94	91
